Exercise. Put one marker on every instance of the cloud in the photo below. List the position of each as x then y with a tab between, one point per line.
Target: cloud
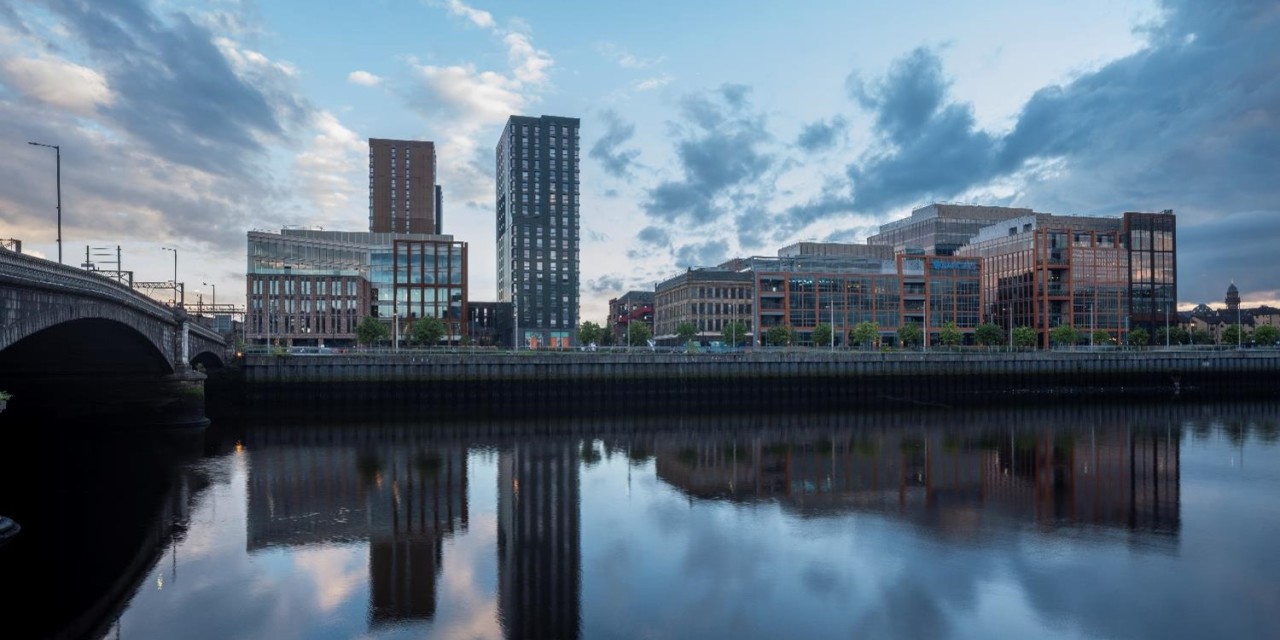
649	84
625	59
607	284
722	154
463	101
701	254
328	170
58	83
165	126
615	161
478	17
821	135
654	236
1191	122
364	78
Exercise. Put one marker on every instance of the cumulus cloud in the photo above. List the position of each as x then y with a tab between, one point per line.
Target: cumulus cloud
655	236
478	17
608	284
702	254
58	83
364	78
657	82
463	100
1190	122
165	125
723	153
625	59
615	160
821	135
329	168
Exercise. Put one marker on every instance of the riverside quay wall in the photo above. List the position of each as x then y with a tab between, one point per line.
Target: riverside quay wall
497	384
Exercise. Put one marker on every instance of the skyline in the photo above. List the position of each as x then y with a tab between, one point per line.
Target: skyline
187	127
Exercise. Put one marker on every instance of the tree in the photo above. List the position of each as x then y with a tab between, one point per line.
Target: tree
1139	337
589	333
1179	335
1231	336
1064	335
1101	337
371	331
1201	336
823	335
605	338
950	335
427	331
1024	337
734	333
864	333
1266	334
778	335
686	331
910	334
988	335
638	333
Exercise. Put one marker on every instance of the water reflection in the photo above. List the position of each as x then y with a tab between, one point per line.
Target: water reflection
764	525
944	478
403	497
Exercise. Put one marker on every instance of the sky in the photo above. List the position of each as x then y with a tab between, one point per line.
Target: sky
709	130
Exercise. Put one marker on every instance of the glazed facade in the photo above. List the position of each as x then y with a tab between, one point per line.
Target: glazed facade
312	288
1095	274
928	291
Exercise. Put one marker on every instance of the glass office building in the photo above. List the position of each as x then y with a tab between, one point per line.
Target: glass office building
312	288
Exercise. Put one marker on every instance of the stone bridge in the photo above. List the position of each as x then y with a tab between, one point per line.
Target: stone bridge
83	344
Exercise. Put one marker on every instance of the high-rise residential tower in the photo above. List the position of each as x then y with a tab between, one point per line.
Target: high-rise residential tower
537	227
403	196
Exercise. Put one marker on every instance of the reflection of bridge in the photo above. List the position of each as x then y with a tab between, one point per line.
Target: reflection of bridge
65	333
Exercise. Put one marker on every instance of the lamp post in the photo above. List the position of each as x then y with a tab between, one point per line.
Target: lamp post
175	273
1166	324
1009	308
833	326
57	154
215	292
1239	329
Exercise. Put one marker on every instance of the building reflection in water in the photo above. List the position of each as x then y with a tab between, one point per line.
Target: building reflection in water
944	478
539	552
401	496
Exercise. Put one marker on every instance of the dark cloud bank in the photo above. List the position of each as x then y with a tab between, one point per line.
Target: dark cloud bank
1191	123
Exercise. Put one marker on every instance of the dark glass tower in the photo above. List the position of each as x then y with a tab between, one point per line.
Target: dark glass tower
537	227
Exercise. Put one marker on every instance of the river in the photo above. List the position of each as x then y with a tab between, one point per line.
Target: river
1106	521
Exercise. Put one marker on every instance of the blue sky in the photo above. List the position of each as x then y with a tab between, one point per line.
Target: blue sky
710	129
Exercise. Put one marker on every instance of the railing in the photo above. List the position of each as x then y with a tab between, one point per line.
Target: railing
37	273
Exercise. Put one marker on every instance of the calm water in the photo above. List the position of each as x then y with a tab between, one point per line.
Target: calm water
1145	522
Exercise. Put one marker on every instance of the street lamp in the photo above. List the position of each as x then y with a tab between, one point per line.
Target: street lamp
215	292
1166	324
1009	308
57	154
175	273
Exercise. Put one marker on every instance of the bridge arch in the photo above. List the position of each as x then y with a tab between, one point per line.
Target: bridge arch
86	346
208	360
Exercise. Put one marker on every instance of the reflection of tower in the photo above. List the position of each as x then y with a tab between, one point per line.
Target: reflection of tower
401	498
539	556
427	498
